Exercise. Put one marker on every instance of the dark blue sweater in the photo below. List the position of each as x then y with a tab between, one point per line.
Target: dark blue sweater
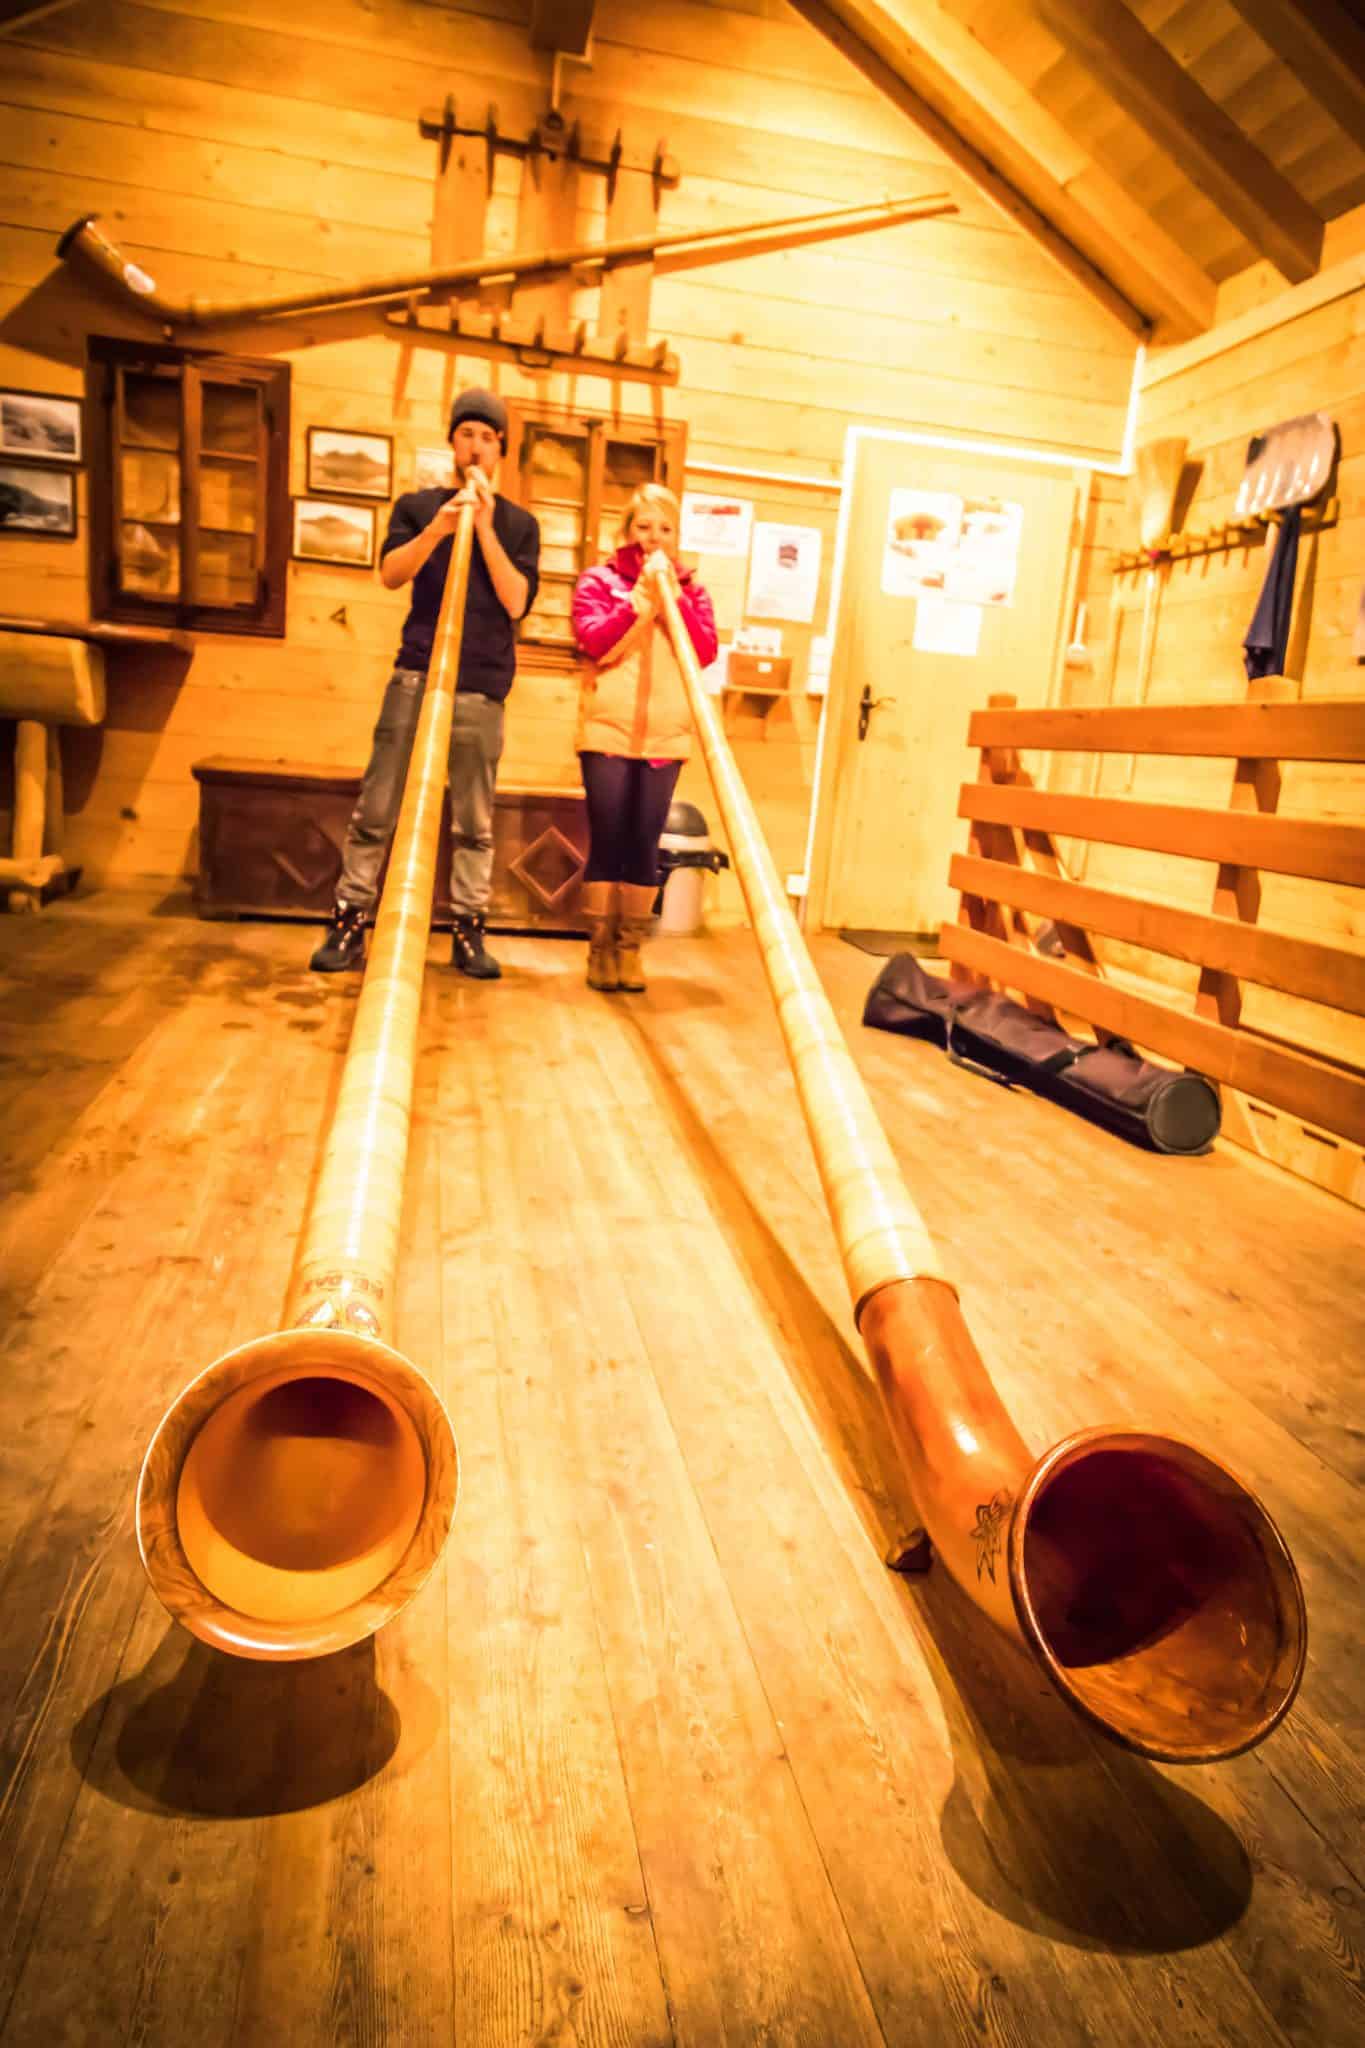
488	659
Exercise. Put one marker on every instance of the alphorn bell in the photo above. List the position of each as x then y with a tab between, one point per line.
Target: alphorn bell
1154	1589
298	1492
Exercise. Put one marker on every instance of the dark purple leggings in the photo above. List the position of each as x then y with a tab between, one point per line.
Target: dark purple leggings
627	804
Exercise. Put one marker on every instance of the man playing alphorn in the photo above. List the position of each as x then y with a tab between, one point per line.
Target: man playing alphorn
503	576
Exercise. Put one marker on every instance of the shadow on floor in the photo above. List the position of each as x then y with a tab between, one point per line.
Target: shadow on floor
199	1733
1053	1826
1049	1823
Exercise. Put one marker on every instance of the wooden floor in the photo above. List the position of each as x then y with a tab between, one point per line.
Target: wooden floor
662	1754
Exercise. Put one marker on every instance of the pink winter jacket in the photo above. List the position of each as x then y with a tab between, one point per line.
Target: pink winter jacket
632	700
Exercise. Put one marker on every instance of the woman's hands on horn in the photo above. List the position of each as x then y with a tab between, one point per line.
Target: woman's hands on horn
658	568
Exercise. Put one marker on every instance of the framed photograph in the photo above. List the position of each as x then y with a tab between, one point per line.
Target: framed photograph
357	465
36	500
433	469
325	531
41	426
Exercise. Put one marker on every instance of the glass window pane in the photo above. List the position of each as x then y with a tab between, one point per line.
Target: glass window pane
554	598
227	496
227	568
151	410
231	415
149	559
627	465
554	466
559	527
151	485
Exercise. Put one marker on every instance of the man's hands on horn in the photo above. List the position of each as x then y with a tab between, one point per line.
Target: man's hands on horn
476	490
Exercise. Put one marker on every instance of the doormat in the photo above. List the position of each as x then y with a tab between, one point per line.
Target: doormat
924	945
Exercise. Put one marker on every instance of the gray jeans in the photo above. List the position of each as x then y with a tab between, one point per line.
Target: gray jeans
475	750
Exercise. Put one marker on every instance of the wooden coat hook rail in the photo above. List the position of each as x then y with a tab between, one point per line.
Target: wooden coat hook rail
1217	540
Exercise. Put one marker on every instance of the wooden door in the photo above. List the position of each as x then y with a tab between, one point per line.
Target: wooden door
895	789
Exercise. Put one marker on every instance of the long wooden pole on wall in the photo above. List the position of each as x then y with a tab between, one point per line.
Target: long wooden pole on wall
1153	1588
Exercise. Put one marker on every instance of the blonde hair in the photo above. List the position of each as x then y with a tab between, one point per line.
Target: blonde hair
659	497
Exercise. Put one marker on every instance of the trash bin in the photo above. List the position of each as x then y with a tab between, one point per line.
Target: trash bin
686	857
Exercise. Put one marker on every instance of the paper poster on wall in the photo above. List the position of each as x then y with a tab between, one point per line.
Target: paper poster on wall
922	532
784	572
723	578
943	626
713	677
765	640
715	524
942	544
986	562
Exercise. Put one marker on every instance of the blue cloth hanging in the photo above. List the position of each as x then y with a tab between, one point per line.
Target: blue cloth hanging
1267	637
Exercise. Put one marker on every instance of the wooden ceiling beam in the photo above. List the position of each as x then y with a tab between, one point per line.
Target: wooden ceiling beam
1323	46
968	103
562	25
22	13
1141	76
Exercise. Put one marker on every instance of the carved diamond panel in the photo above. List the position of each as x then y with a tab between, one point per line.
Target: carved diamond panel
548	867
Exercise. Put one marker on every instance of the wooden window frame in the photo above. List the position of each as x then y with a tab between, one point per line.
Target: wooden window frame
598	426
110	361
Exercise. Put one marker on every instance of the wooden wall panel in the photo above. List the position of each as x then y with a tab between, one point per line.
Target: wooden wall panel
1315	361
236	151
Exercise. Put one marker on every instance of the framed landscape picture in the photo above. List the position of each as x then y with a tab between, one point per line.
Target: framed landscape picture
325	531
36	500
433	468
41	426
356	465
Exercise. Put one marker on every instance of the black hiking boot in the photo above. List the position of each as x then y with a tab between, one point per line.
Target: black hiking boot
468	952
344	945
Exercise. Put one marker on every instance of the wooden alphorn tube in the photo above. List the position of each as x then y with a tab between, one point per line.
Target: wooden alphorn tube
90	246
1154	1589
298	1492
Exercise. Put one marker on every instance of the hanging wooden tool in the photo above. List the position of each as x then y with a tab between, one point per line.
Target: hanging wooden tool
1154	1590
297	1494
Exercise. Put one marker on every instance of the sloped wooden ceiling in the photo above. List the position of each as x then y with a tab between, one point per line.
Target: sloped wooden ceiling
1155	147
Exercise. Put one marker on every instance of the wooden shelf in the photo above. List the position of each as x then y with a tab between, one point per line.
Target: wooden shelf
758	701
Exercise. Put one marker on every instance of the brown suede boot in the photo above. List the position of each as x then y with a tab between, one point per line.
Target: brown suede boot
598	903
637	906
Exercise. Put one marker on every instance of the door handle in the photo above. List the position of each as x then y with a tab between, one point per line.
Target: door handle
867	704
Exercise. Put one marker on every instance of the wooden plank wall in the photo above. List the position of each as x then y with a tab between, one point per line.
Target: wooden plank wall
1312	362
1301	362
235	149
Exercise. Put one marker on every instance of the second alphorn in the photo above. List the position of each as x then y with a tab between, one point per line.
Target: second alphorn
297	1494
1152	1586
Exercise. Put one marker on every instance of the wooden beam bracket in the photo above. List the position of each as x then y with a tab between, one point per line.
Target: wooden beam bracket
552	139
533	343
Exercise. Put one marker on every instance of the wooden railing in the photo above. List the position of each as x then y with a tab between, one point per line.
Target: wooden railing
1013	873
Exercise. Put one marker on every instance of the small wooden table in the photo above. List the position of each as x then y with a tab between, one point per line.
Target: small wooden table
52	674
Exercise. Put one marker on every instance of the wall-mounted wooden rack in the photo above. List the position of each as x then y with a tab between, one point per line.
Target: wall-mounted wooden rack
1217	540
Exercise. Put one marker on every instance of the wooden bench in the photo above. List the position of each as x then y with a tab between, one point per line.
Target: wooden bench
52	673
271	835
1012	873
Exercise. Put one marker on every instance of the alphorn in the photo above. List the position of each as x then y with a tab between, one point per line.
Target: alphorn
299	1491
86	244
1154	1589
